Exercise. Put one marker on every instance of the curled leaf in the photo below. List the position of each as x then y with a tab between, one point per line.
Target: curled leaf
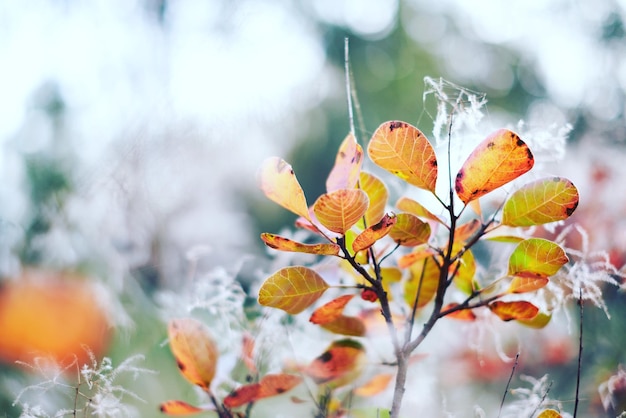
372	234
285	244
179	408
331	310
345	172
194	349
292	289
270	385
279	183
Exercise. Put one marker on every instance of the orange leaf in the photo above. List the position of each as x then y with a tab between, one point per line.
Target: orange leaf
549	413
499	159
527	284
179	408
377	194
346	325
345	172
340	210
340	364
409	230
247	354
464	232
292	289
195	352
372	234
462	314
411	206
425	291
285	244
270	385
279	183
374	386
405	152
542	201
508	311
331	310
419	253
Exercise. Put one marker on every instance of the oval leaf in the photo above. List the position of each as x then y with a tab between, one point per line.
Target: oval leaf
409	230
179	408
340	364
345	172
460	314
340	210
549	413
285	244
292	289
346	325
195	352
375	385
406	204
279	183
527	284
372	234
426	291
377	194
542	201
536	257
331	310
499	159
270	385
508	311
539	321
405	152
464	278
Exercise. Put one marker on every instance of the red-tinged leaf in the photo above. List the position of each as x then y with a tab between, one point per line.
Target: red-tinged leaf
340	364
538	322
372	234
405	152
461	314
375	385
542	201
411	206
527	284
331	310
419	253
464	278
499	159
285	244
536	257
508	311
377	194
270	385
345	172
179	408
247	352
242	395
466	231
340	210
549	413
409	230
346	325
292	289
194	349
279	183
425	291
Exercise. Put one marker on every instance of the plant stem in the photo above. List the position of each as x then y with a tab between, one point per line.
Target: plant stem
580	351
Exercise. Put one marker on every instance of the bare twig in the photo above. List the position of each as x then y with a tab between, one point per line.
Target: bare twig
580	351
508	384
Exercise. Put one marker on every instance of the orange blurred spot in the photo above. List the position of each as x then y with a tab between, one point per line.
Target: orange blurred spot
50	314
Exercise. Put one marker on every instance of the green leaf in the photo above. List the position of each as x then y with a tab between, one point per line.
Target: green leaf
536	257
542	201
409	230
405	152
340	210
538	322
292	289
428	288
499	159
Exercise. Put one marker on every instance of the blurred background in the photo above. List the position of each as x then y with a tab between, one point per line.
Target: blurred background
131	132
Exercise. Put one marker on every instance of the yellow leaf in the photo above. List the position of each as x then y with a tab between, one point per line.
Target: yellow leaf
508	311
499	159
539	321
419	253
428	288
340	210
536	257
372	234
464	278
179	408
292	289
411	206
377	194
375	385
409	230
345	172
346	325
331	310
195	352
405	152
285	244
279	183
549	413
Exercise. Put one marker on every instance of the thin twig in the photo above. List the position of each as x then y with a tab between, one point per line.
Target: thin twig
508	384
580	351
346	63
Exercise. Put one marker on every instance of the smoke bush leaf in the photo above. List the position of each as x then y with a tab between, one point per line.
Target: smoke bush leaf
428	288
340	364
542	201
404	151
331	310
194	349
499	159
270	385
285	244
508	311
377	194
409	230
549	413
409	205
536	257
279	183
340	210
345	172
179	408
461	314
527	284
346	325
375	385
372	234
419	253
292	289
539	321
